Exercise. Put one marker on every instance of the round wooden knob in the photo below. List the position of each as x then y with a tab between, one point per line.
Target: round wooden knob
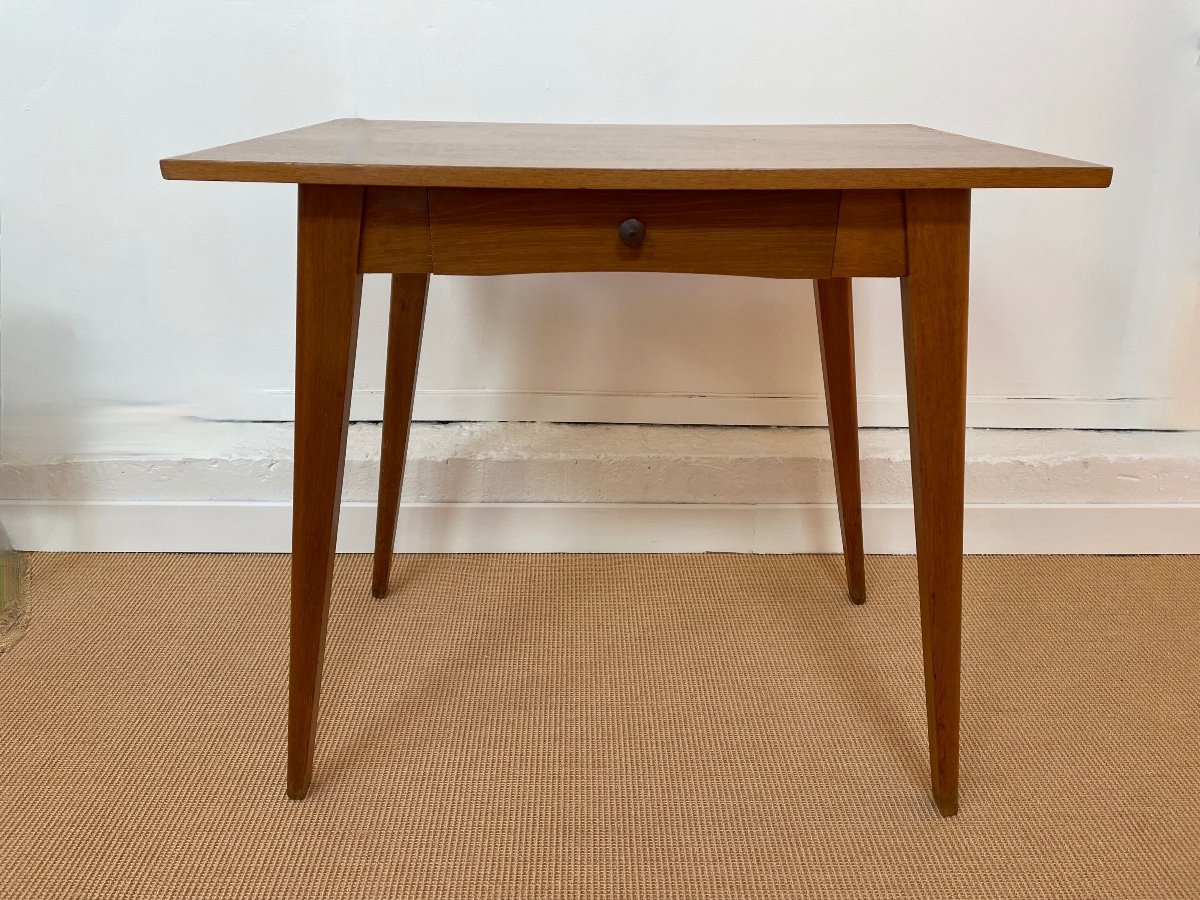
632	233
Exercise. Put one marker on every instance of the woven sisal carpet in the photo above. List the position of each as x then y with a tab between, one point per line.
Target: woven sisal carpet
600	726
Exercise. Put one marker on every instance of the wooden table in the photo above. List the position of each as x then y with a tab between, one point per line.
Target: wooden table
822	202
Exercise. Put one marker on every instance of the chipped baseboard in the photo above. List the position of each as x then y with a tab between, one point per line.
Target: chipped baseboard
491	487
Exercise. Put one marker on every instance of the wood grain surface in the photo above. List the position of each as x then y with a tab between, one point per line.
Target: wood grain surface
405	322
835	331
934	311
870	235
328	294
696	157
395	231
779	234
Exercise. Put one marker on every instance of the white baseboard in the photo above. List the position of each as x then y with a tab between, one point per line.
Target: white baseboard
227	527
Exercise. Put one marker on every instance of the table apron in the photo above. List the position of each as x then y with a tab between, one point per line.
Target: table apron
498	231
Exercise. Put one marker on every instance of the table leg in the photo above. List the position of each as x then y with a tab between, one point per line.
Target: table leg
328	291
404	350
835	327
934	302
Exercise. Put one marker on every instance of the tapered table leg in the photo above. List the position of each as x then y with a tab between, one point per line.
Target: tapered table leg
328	291
934	302
404	349
835	327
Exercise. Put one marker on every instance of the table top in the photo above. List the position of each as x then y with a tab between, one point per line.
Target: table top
692	157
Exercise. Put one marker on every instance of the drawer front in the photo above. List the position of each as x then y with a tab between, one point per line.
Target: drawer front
779	234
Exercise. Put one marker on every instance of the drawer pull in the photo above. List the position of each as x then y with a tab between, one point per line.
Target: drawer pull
632	233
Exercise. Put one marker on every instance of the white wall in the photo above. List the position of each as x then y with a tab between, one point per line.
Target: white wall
120	292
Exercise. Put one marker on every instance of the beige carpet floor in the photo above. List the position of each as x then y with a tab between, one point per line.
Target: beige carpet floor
600	726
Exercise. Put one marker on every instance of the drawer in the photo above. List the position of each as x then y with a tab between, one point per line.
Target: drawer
497	231
782	234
